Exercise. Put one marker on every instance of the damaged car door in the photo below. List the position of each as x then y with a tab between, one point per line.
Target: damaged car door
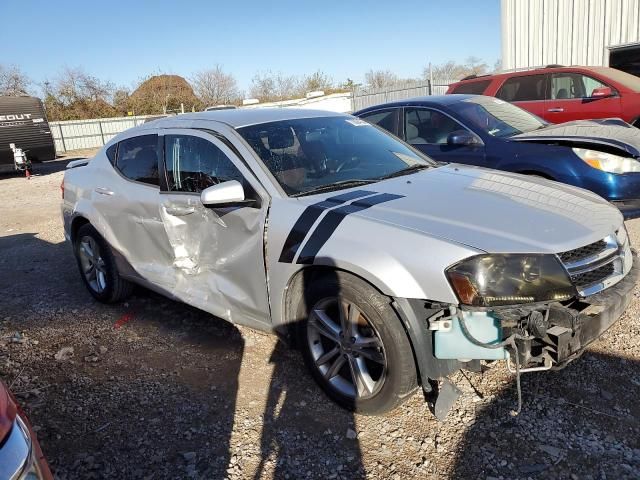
218	252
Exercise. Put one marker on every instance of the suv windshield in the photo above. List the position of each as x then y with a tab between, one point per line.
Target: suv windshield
310	155
497	117
630	81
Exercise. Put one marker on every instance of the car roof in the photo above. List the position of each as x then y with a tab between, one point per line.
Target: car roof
534	71
242	117
431	100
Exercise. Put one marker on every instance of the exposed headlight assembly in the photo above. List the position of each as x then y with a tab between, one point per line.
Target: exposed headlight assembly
608	162
495	280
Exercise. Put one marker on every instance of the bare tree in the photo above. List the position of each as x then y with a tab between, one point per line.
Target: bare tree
215	86
452	71
75	85
476	66
268	86
13	81
381	78
317	81
74	94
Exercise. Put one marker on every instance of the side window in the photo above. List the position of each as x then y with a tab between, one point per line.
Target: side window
472	88
194	164
138	159
384	119
573	85
523	88
423	126
111	153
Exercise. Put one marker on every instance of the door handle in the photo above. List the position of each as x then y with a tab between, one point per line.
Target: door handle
103	191
180	211
556	110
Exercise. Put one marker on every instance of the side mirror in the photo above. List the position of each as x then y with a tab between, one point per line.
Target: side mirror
225	194
602	92
463	137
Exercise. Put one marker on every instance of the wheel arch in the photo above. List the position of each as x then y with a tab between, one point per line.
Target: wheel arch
295	291
77	222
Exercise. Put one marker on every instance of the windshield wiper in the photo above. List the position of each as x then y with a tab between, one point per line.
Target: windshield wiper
405	171
335	186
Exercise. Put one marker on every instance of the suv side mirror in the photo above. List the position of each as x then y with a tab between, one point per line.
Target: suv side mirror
602	92
463	138
225	194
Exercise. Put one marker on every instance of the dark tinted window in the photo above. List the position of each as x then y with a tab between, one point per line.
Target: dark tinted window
138	159
111	153
520	89
384	119
423	126
472	88
194	164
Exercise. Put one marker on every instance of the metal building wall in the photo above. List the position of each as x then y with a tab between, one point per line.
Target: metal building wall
567	32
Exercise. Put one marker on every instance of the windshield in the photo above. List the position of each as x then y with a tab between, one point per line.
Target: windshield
630	81
497	117
329	153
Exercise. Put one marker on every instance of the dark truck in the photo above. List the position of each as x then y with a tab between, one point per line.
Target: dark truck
23	122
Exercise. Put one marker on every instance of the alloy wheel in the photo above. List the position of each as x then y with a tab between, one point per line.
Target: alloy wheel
93	265
346	349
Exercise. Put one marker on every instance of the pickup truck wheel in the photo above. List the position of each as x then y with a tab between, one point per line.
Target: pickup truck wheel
98	267
355	345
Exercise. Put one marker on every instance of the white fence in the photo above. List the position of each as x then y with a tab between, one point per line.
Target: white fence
78	134
366	97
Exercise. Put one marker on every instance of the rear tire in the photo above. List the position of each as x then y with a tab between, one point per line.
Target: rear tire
366	342
98	267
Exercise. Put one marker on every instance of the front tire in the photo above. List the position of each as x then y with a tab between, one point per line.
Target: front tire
354	344
98	267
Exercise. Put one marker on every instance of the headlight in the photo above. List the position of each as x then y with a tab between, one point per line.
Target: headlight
608	162
494	280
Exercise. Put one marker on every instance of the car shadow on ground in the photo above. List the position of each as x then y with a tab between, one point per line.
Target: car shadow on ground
580	422
153	386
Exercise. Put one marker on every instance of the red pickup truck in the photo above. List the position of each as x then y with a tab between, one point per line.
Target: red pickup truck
561	94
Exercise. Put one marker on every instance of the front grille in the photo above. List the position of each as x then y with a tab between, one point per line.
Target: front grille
583	252
590	277
598	265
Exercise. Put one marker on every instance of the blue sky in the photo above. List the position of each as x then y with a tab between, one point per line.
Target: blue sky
122	41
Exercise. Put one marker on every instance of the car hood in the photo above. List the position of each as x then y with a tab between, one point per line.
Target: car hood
606	133
490	210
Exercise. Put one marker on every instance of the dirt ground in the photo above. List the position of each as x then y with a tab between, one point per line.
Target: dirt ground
155	389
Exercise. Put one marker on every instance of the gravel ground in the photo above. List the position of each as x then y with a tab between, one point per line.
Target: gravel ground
155	389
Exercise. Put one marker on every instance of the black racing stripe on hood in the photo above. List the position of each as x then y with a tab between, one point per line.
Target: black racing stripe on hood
309	217
333	219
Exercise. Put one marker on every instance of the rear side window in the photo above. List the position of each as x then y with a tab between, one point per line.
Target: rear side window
384	119
194	164
472	88
522	89
138	159
111	153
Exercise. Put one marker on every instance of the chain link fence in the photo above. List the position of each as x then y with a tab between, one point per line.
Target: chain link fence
366	97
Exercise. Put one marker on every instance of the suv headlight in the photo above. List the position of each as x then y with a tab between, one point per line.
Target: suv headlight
511	279
608	162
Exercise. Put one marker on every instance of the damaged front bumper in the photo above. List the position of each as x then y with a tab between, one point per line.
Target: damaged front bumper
547	335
